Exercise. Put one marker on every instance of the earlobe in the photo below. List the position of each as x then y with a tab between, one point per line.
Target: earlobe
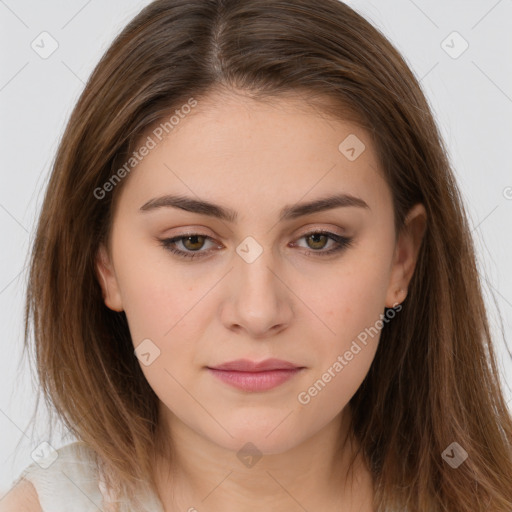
108	280
406	254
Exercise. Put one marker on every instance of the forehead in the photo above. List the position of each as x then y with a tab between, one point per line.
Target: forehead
250	151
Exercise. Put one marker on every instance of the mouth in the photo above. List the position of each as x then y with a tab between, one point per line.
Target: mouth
252	376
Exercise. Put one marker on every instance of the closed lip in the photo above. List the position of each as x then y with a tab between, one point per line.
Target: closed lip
246	365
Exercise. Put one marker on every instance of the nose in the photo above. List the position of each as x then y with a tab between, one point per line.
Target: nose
260	303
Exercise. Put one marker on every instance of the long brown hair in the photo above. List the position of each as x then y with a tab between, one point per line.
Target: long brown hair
434	380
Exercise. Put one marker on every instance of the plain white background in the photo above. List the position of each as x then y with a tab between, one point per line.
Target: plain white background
469	91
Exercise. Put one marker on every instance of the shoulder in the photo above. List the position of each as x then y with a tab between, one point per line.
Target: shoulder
56	478
21	498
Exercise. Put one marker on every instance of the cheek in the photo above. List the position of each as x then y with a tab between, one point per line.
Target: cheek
160	313
354	299
151	307
163	309
353	308
155	293
343	358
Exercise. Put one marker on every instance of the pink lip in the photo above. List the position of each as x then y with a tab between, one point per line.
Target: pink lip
251	376
245	365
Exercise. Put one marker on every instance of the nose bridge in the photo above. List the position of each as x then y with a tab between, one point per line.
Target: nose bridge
253	269
260	302
258	276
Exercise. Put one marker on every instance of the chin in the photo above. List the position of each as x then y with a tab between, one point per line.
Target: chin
269	437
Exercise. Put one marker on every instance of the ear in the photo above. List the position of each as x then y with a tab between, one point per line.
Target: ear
406	254
108	280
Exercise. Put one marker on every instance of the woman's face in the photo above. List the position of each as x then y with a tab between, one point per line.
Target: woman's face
261	284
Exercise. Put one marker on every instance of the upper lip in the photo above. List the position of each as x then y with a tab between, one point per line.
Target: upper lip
245	365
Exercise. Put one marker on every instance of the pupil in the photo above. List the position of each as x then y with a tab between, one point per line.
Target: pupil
193	239
316	237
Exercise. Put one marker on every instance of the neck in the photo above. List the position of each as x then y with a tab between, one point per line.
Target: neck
314	475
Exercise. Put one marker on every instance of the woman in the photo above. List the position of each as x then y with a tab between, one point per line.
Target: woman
253	282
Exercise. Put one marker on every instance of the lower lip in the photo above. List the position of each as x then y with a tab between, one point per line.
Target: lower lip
255	381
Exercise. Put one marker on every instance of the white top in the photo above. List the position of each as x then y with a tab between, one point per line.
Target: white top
69	479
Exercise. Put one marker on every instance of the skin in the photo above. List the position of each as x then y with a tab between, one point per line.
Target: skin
21	498
255	158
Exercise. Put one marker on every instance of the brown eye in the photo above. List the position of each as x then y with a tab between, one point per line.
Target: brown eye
319	240
194	242
192	245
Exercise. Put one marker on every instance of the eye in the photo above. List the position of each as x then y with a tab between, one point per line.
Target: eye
194	242
318	240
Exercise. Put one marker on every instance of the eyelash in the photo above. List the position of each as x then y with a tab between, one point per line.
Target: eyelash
342	242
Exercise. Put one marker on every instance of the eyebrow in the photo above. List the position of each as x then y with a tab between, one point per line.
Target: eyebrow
287	213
